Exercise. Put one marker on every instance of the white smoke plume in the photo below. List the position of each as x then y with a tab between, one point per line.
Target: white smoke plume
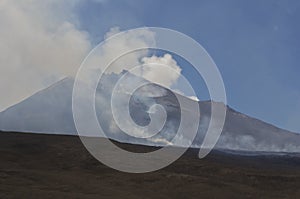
39	44
169	70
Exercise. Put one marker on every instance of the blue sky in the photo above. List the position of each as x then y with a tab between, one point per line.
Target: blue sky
255	44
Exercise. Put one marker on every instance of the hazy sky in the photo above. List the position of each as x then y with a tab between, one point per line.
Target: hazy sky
254	43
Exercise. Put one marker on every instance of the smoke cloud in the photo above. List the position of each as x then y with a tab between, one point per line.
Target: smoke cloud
167	76
40	44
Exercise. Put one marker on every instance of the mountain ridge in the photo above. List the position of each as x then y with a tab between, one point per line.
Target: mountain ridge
49	111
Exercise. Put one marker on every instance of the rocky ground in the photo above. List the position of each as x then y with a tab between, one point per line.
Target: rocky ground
55	166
